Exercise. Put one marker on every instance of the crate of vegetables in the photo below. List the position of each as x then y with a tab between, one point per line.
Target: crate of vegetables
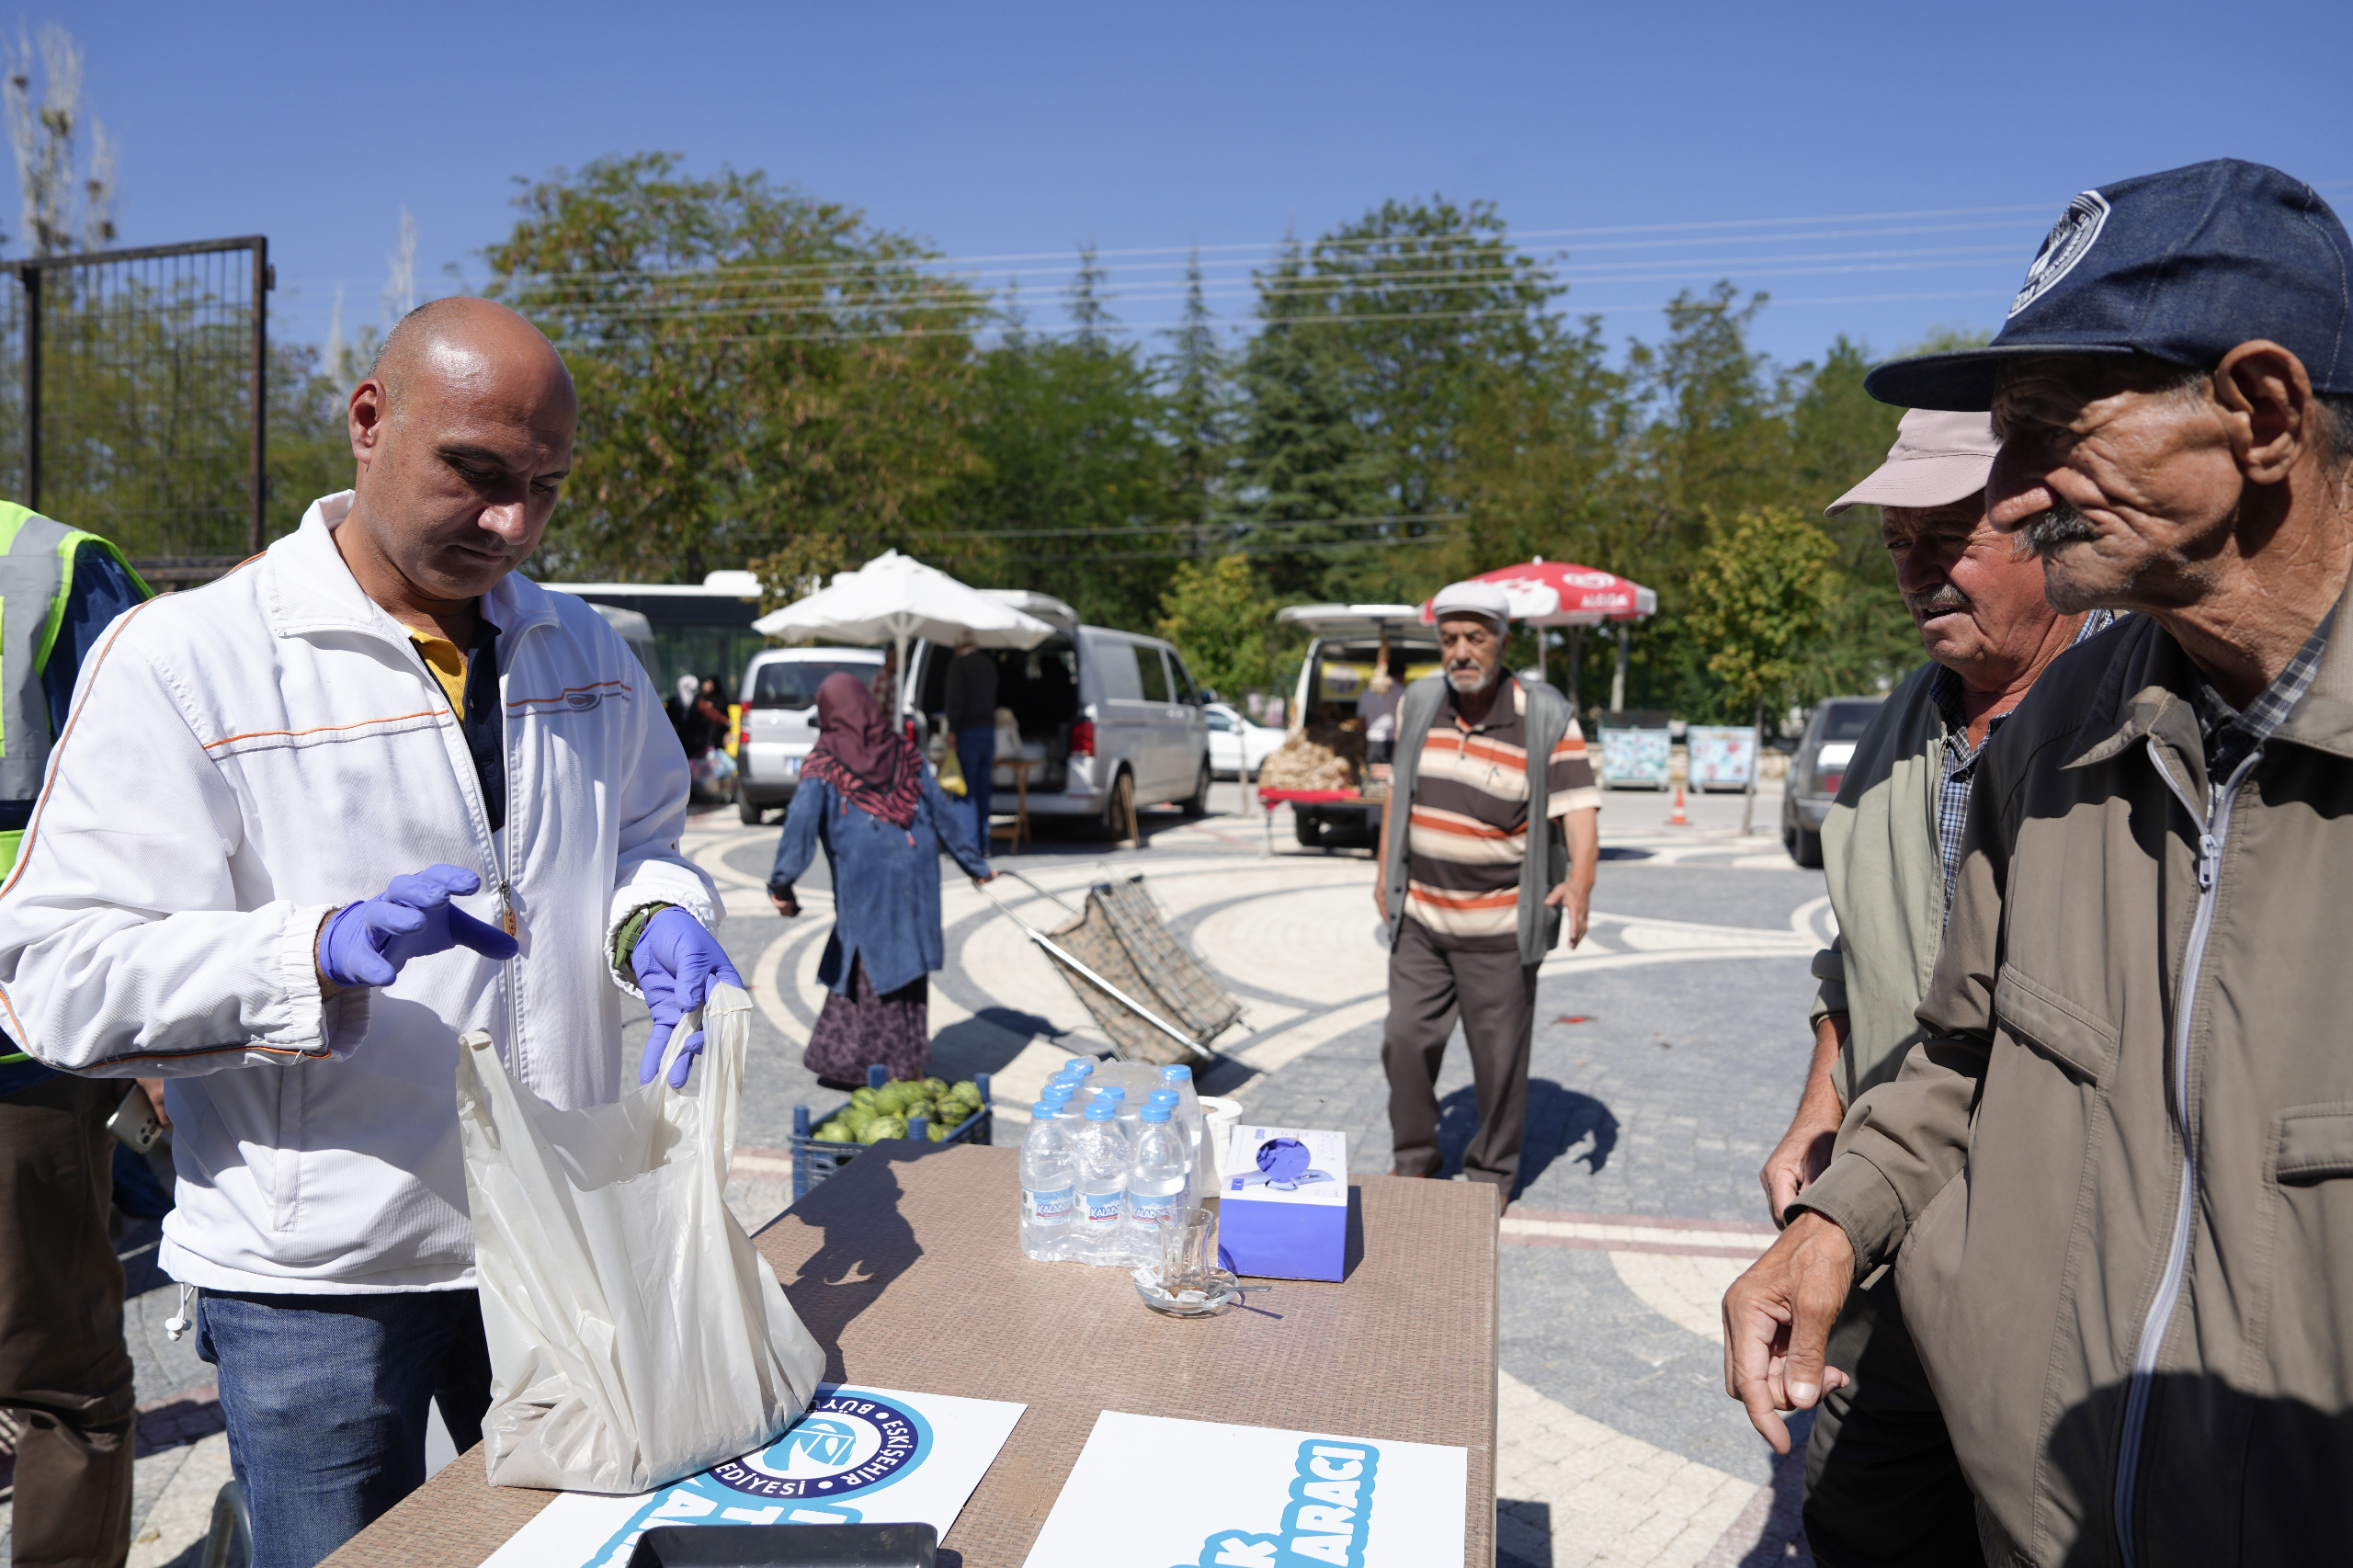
928	1110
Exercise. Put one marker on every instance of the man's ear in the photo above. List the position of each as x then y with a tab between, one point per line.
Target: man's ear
2267	395
368	413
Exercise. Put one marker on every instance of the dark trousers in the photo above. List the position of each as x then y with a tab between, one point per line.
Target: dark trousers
63	1363
325	1400
1494	995
976	754
1881	1482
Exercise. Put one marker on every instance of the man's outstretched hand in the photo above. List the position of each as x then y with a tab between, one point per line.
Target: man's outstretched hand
1777	1324
367	943
676	962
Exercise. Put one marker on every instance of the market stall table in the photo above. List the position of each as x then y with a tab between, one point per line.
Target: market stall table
906	1268
1268	798
1017	832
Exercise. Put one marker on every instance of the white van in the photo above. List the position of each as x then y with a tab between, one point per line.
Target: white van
780	722
1345	648
1100	711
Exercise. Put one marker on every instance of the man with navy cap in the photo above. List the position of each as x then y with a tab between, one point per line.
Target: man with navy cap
1498	843
2115	1177
1881	1482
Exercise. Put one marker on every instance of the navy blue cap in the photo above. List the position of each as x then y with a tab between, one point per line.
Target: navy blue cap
2184	266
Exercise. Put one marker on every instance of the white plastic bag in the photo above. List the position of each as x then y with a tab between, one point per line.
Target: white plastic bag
635	1335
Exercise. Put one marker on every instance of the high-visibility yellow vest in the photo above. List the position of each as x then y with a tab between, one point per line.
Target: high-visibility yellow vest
36	580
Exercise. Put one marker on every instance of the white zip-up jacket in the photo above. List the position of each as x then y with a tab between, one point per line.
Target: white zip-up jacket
242	759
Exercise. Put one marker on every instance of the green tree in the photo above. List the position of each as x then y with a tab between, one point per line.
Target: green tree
1308	462
1396	326
1838	434
1199	409
753	365
1222	619
1072	492
1761	599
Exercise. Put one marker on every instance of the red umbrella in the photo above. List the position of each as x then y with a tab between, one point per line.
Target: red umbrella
1561	593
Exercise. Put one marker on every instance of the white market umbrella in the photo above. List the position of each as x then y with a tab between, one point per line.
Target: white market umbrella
894	598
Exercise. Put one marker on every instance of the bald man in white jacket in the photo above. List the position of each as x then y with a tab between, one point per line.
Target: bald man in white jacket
200	897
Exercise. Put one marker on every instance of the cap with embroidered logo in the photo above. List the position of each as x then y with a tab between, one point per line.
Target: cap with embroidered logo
2184	266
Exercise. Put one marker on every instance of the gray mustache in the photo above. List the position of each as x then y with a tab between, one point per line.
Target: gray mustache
1944	599
2060	524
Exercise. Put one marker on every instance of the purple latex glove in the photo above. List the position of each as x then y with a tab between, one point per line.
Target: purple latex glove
367	943
676	961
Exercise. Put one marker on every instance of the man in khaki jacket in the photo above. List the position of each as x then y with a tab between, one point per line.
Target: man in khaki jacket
2116	1177
1881	1484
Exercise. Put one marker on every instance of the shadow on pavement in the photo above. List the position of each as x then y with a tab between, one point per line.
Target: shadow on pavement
1559	1119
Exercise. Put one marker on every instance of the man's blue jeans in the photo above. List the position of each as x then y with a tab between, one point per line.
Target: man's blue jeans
325	1399
976	754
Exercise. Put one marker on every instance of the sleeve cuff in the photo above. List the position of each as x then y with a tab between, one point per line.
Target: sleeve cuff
309	1022
1854	1195
1830	968
623	937
1584	798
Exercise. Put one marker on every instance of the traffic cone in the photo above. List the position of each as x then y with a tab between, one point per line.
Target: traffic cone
1678	819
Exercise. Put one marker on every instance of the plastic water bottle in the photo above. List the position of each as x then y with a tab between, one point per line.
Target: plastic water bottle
1057	1097
1192	1128
1049	1186
1126	1109
1076	1072
1158	1185
1100	1152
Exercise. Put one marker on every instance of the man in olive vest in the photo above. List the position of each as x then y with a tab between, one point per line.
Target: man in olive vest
1499	840
64	1368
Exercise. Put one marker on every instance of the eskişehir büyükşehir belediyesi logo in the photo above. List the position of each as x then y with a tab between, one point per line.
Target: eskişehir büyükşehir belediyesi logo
847	1443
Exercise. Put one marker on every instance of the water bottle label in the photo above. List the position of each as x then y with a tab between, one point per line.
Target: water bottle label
1151	1210
1047	1207
1102	1208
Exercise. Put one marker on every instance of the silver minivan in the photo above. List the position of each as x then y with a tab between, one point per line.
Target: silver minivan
1100	712
779	720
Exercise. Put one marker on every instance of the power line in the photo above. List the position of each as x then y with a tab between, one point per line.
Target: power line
1206	555
1310	292
1186	528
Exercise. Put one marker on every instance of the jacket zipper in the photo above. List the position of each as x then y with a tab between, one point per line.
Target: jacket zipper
506	921
2216	827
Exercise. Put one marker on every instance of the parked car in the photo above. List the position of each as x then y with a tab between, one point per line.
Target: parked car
1816	769
1100	712
1336	671
1236	744
779	719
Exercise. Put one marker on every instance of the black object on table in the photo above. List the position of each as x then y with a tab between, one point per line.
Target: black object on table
787	1546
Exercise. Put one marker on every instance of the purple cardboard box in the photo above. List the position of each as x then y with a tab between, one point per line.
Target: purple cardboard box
1283	1205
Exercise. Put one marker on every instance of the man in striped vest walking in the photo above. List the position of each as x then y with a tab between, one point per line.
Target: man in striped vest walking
1500	838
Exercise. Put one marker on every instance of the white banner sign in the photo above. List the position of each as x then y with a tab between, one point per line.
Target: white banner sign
861	1455
1149	1492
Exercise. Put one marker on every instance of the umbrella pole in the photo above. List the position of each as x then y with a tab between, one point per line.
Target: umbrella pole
898	718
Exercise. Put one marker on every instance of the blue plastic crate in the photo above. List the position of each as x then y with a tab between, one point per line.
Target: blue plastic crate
814	1160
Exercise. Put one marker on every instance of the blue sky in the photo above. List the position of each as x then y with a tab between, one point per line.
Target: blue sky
1880	169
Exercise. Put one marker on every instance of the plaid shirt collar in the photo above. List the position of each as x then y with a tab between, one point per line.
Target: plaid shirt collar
2229	734
1961	757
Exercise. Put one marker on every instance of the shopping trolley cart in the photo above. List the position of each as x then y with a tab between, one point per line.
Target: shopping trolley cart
1151	996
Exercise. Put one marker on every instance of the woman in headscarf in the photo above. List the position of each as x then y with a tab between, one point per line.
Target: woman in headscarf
867	795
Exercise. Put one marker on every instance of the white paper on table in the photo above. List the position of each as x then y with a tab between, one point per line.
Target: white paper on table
1252	1497
860	1455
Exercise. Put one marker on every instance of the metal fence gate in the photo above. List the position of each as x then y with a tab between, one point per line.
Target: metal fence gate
136	404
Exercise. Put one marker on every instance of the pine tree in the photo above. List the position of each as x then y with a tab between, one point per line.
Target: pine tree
1200	411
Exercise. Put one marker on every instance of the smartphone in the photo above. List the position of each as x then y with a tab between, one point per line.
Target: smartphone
134	1120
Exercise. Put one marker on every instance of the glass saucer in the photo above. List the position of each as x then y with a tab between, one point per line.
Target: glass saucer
1224	1291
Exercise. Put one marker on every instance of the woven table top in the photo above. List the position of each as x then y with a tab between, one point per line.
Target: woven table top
906	1267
